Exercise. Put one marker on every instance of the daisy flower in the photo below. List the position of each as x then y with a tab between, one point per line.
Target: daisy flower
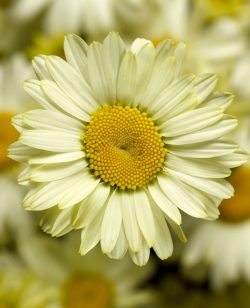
122	143
20	287
87	17
92	281
224	245
13	100
217	8
16	17
209	45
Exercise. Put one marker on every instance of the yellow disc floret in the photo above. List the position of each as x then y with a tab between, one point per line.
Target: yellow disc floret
124	147
46	45
88	291
238	207
217	8
8	135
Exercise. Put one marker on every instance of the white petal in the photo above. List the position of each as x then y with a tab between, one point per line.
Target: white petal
54	141
217	130
51	158
191	121
199	167
121	246
48	119
18	123
72	83
234	159
164	203
163	246
189	102
138	44
205	150
40	68
144	54
131	227
126	82
45	196
205	85
56	222
21	152
141	258
216	187
91	206
63	102
33	88
221	100
179	53
177	229
171	96
210	203
91	234
75	50
162	75
111	223
177	193
82	188
145	216
53	172
23	177
164	49
167	49
103	65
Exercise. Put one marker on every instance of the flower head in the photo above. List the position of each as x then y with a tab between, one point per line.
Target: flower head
122	142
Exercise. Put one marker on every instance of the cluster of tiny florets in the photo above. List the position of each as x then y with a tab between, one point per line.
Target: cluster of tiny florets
123	146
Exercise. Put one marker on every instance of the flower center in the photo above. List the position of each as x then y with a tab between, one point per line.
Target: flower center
5	3
46	45
157	40
222	7
124	147
88	292
8	135
237	208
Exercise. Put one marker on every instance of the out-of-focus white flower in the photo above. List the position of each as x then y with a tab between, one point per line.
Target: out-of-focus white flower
90	281
87	17
13	100
22	288
209	46
23	10
122	181
16	17
223	246
240	77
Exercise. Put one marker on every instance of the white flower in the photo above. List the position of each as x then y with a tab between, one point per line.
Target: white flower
16	17
124	141
240	76
13	100
92	18
209	45
223	246
92	281
20	287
